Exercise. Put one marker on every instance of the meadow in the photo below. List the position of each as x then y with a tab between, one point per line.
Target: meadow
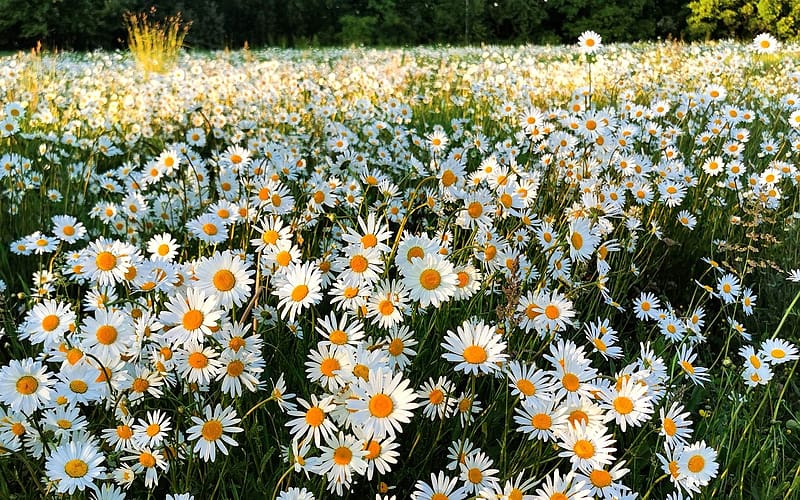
435	273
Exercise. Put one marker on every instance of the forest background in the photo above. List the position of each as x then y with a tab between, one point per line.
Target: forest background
218	24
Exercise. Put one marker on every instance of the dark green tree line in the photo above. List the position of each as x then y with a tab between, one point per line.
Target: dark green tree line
87	24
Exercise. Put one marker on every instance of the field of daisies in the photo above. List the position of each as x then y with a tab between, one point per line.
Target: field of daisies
551	273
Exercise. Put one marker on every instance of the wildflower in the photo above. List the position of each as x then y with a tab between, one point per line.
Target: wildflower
540	419
430	280
565	487
68	229
212	432
382	404
25	385
475	347
586	448
646	306
589	42
226	276
313	419
75	465
152	431
477	474
440	487
729	287
628	403
341	457
47	322
697	374
765	43
190	317
698	463
298	288
437	395
778	351
163	247
675	425
149	461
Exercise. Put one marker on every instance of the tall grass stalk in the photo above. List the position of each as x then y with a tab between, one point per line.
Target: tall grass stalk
155	44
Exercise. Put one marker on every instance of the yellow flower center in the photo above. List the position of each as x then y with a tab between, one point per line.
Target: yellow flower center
78	386
600	478
577	240
235	368
338	337
669	426
192	319
526	387
475	354
224	280
358	263
386	307
541	421
415	252
448	178
105	261
210	229
299	293
50	322
198	360
623	405
76	468
696	464
436	396
147	460
270	236
373	450
475	475
342	455
328	366
583	449
396	347
369	240
430	279
381	405
314	416
106	334
212	430
570	382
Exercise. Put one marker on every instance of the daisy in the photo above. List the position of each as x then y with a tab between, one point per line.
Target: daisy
47	322
556	312
477	474
271	230
603	337
298	288
239	369
226	276
381	453
388	303
437	397
208	228
383	404
75	465
120	437
358	265
109	333
586	449
163	247
68	229
582	240
604	482
149	461
398	346
328	366
468	281
527	381
589	42
190	317
413	247
540	419
765	43
312	419
675	425
77	383
646	306
25	385
341	457
697	462
197	364
628	403
430	280
212	432
440	487
106	262
151	431
697	374
475	347
64	421
778	351
729	288
280	395
373	234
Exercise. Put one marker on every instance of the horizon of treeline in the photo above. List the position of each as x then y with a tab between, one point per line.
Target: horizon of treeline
216	24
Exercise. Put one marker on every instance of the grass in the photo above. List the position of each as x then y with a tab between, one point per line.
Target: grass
287	109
